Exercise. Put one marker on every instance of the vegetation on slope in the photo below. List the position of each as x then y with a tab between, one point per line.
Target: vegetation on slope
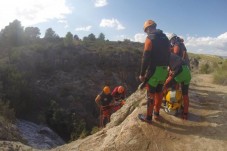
53	80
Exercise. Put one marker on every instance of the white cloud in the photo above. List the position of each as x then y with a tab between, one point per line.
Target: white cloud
140	37
205	45
31	12
87	28
100	3
208	45
112	23
65	22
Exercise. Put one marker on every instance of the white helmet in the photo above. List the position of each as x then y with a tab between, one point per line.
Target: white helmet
172	36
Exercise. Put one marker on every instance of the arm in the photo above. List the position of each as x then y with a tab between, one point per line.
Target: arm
146	57
97	99
184	51
184	55
169	78
114	91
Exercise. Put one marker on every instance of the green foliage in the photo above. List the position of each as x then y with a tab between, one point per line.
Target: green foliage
101	37
15	89
78	128
32	32
6	112
205	69
220	75
76	37
95	130
13	34
68	40
50	35
68	125
91	37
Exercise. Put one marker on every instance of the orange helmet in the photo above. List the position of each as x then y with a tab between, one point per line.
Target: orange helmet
147	24
106	90
120	89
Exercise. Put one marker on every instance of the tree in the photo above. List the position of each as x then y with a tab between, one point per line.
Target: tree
76	37
50	34
68	40
91	37
32	32
13	34
101	37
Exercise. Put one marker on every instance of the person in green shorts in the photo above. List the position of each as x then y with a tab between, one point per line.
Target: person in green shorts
179	73
155	61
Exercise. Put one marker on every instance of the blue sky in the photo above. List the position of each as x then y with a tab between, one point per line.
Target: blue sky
202	23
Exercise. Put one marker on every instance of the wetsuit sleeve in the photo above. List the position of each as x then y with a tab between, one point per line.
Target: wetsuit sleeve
184	51
114	92
97	99
146	59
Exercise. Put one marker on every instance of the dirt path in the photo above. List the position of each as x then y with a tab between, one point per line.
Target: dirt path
206	128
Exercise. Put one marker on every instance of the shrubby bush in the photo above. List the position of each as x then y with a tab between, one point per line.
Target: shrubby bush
220	75
6	112
205	69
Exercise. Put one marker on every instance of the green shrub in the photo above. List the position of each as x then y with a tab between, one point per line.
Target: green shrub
220	76
68	125
6	112
95	130
205	69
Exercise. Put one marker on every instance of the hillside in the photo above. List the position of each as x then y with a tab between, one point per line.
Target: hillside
53	81
50	80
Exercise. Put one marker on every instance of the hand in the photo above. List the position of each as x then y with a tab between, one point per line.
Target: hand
171	73
142	78
123	102
164	89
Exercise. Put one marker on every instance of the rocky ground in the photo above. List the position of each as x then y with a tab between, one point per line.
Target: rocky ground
205	129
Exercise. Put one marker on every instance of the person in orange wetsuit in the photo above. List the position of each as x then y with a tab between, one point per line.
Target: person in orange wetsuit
119	97
105	103
154	71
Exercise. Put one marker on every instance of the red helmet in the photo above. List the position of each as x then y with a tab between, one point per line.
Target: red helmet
120	89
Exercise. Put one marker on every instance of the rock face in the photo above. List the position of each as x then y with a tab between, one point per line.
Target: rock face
205	129
38	136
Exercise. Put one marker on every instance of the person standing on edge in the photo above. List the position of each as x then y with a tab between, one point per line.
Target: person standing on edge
154	65
105	103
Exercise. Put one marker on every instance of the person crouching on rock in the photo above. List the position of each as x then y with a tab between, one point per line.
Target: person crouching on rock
105	103
119	97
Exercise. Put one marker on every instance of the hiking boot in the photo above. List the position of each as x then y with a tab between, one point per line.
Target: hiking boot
145	118
156	116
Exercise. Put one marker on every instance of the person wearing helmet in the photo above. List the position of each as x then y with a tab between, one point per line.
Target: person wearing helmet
105	103
178	47
119	97
179	73
154	71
